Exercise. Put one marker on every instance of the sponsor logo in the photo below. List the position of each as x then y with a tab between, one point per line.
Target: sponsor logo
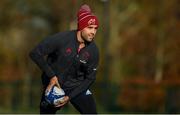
88	92
83	61
86	55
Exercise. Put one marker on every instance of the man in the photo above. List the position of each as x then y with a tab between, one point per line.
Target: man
69	60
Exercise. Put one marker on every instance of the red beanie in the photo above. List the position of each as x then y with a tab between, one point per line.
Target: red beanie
86	17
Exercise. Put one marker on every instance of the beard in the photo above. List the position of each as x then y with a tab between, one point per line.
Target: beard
87	39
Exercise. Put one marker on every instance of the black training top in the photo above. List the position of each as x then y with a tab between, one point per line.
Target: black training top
58	55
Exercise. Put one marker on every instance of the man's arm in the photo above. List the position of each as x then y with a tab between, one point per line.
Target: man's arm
89	77
84	86
39	53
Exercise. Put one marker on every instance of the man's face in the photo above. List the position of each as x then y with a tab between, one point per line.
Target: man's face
89	33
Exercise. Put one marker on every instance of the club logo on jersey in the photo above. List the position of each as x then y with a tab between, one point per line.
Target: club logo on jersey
68	51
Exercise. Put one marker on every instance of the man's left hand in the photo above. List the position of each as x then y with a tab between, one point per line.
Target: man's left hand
63	102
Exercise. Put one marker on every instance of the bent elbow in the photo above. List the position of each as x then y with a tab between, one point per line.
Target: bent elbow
33	54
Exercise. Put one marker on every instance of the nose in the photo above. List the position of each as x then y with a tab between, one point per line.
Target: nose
93	31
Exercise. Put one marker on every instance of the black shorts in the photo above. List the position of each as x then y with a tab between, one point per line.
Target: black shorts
84	103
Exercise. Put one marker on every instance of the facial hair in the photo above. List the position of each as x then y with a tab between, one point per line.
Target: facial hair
85	40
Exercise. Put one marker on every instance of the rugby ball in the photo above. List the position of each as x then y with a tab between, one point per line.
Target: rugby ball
54	95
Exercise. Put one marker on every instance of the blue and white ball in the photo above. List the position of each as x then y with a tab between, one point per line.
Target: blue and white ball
55	95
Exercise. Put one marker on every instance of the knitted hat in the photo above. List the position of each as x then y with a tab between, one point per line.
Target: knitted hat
86	17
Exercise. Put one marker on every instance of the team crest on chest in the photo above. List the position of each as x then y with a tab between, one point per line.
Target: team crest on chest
68	51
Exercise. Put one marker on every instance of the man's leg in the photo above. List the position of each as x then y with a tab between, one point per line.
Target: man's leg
85	103
47	109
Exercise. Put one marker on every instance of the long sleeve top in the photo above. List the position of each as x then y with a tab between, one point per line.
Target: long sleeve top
58	55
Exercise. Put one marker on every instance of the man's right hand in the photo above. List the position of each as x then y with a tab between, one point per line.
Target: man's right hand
53	81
